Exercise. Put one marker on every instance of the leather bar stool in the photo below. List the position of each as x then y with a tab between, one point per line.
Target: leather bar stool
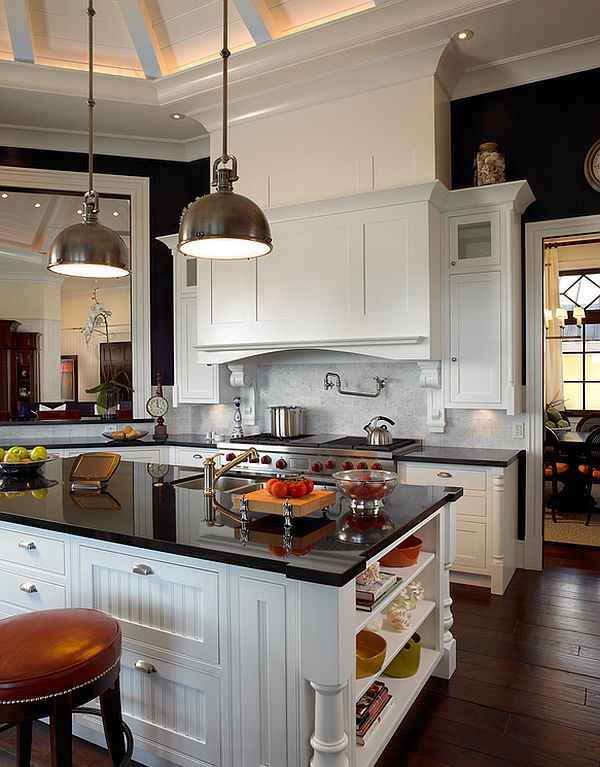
52	662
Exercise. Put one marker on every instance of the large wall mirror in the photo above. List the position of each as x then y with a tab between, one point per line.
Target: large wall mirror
34	206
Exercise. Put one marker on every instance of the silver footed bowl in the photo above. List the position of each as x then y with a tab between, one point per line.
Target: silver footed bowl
21	468
366	488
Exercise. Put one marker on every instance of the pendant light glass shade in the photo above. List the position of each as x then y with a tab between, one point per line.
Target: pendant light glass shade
224	225
89	249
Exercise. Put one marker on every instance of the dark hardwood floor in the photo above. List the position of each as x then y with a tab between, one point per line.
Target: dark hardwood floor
527	686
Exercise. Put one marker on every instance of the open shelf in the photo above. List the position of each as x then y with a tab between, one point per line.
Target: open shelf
395	641
407	574
404	692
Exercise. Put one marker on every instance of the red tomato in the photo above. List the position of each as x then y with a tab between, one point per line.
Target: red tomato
310	485
279	489
270	484
297	489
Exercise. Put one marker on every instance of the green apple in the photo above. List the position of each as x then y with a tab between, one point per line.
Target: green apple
39	453
20	452
11	458
2	453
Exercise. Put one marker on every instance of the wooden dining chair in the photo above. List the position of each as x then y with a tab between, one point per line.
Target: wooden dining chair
588	423
555	470
591	468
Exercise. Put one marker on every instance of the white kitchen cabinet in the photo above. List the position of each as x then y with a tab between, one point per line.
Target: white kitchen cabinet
193	457
482	296
486	518
33	570
353	274
195	382
143	454
476	339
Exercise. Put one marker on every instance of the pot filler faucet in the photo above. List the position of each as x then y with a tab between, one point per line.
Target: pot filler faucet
211	477
329	384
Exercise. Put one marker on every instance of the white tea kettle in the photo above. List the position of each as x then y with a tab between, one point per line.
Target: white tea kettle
379	434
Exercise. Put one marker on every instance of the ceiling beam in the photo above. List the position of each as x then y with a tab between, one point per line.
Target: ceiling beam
257	18
19	29
142	34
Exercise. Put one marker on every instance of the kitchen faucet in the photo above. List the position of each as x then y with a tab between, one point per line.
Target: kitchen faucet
211	478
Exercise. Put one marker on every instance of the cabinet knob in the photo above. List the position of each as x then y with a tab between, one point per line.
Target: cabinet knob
28	588
27	545
145	666
444	474
453	359
452	263
142	570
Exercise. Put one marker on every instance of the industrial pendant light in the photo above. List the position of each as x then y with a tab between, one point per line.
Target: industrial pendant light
224	225
89	249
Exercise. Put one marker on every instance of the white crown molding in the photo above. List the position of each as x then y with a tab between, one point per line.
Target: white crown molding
23	136
531	67
19	277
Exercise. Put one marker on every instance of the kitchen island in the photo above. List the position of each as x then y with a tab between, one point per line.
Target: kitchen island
239	645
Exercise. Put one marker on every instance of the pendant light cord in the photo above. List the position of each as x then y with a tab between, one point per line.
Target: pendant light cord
225	54
91	196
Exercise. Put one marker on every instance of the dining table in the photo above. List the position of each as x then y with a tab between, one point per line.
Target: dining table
573	496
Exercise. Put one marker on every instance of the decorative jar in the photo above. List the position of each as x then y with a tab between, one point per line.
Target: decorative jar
489	165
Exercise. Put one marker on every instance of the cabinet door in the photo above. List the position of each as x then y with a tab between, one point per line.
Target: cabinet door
475	339
471	547
474	241
194	382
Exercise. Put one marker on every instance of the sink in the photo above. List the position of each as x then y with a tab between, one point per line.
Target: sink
228	484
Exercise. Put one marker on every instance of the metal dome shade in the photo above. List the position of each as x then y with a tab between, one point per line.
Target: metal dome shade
89	250
226	226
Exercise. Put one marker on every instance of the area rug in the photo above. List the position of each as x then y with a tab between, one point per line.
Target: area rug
571	528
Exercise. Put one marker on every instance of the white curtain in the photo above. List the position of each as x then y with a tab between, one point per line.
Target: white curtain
553	367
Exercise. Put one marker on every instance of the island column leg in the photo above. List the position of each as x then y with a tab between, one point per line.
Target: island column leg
447	664
329	740
327	652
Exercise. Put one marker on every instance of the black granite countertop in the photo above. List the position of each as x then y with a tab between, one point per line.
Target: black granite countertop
137	510
474	456
73	441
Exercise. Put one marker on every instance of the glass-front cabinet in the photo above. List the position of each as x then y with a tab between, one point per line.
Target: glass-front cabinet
474	241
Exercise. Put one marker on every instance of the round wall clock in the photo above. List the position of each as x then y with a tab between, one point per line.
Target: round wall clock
591	166
157	406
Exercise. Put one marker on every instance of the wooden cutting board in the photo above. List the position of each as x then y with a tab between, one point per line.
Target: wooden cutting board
262	502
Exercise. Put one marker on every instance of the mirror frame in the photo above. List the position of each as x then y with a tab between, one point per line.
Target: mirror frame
137	188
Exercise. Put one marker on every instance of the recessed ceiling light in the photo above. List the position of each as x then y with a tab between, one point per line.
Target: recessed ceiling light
176	116
4	195
37	205
115	212
464	34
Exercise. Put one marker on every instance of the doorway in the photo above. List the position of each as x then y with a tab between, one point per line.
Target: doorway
537	234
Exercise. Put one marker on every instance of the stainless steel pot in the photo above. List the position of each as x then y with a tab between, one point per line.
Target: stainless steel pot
286	420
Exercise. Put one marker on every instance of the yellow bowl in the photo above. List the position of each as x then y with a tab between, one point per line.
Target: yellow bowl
370	653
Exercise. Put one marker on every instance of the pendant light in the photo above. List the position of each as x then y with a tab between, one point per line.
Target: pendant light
224	225
89	249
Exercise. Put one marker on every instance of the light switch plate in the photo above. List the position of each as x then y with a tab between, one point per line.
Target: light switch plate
517	430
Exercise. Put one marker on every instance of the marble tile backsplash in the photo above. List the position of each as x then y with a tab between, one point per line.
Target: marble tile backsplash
403	400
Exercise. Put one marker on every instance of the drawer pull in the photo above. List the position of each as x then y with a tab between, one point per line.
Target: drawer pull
28	588
444	474
146	666
27	545
197	456
142	570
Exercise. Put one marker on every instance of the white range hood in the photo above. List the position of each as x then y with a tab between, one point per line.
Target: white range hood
356	275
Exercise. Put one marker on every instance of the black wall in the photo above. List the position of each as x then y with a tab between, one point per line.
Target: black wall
545	130
172	186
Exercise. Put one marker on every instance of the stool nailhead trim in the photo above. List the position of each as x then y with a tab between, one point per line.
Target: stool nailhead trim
63	692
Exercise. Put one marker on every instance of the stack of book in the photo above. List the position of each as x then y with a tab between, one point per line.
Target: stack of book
370	710
368	596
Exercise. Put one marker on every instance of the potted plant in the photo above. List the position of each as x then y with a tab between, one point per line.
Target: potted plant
114	382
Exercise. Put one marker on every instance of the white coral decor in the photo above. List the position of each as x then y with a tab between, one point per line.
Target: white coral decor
376	623
370	575
398	618
416	590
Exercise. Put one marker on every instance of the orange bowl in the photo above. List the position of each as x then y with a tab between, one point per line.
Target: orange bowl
404	555
370	653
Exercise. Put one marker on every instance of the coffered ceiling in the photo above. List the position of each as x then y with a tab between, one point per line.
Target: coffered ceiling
155	57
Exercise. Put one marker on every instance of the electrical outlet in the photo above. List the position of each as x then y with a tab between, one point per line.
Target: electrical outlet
517	430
